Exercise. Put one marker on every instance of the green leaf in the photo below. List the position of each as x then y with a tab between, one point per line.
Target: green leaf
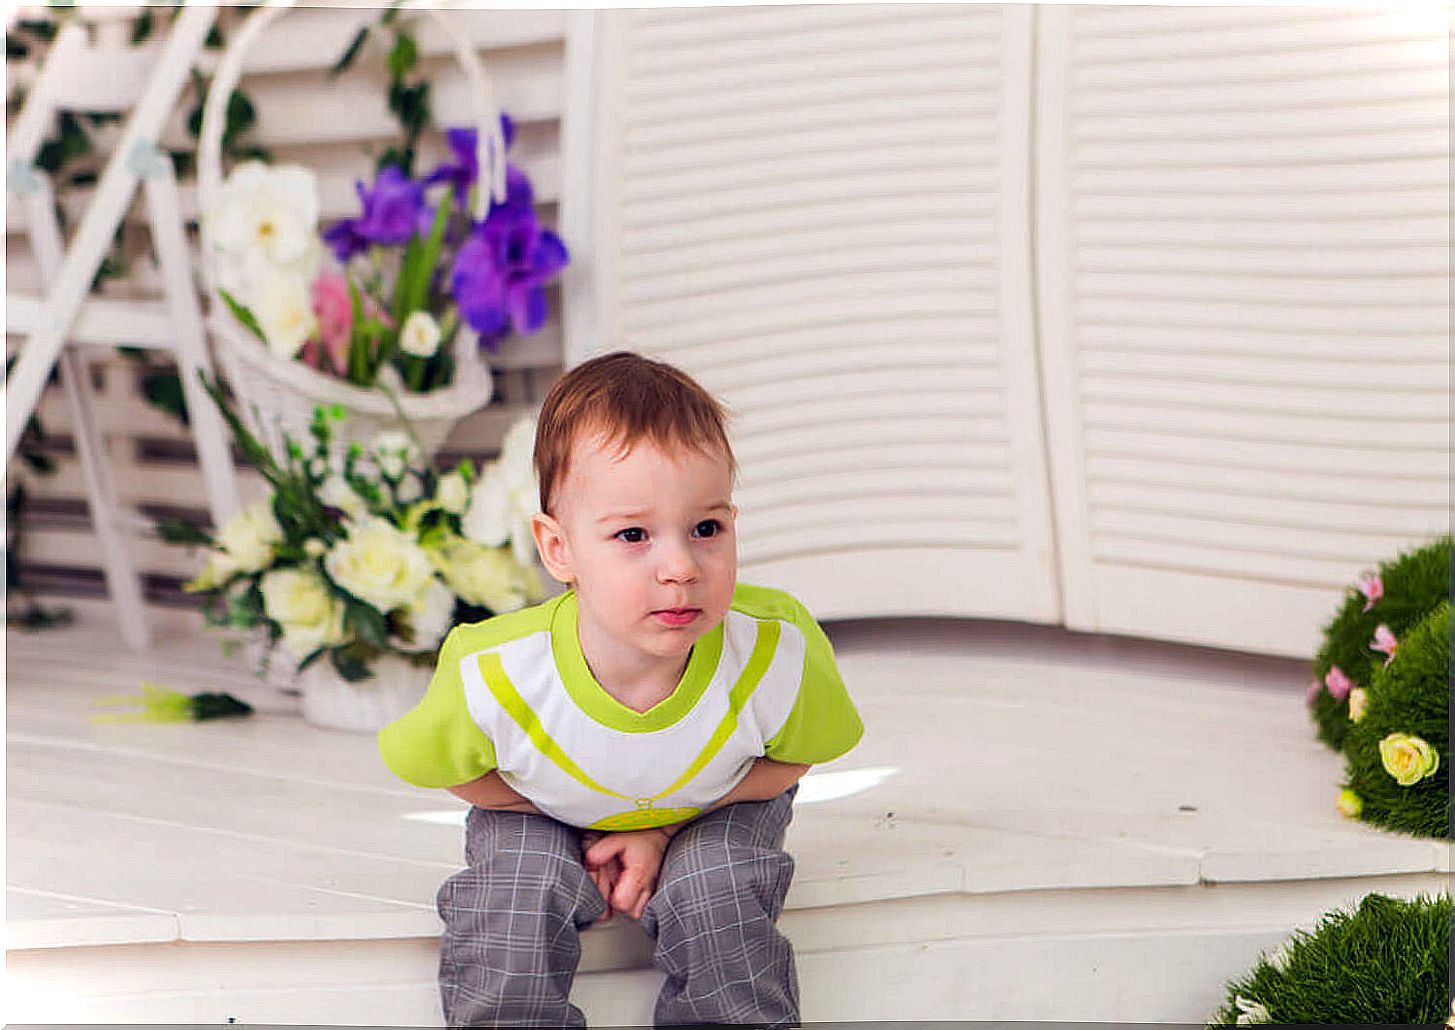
163	391
183	533
142	27
241	116
218	706
404	56
352	52
214	40
350	662
242	314
367	623
16	49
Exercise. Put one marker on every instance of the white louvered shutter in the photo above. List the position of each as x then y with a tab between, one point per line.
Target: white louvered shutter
1243	255
821	213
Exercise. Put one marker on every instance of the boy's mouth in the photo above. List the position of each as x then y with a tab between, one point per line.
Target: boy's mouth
677	616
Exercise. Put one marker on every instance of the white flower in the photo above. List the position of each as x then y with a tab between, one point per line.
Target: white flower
1250	1011
300	603
506	496
482	575
453	493
420	335
393	452
409	490
430	615
314	547
487	521
336	493
379	564
267	212
283	306
248	539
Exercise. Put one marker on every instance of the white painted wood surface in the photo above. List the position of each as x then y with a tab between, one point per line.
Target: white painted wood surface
843	259
1023	821
1243	242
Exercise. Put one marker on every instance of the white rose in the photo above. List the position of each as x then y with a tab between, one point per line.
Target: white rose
283	306
267	211
453	493
409	490
482	575
300	603
420	335
379	564
517	460
393	452
430	615
487	521
336	493
248	538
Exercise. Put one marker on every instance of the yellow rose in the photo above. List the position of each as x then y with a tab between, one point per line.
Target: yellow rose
1408	759
1349	804
379	564
218	570
249	537
300	603
482	575
1358	703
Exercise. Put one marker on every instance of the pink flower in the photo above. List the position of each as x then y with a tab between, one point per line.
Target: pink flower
1338	683
1372	587
335	317
1384	641
1309	695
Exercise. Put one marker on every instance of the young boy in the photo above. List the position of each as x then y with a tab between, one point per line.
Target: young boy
633	744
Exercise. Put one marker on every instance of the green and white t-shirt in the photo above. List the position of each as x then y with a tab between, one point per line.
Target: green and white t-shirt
514	693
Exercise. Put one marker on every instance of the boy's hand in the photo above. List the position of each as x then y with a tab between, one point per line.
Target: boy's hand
638	854
604	876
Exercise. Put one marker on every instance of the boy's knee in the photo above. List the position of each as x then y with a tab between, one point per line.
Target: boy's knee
707	874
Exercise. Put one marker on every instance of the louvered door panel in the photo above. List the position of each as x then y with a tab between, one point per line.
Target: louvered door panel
1243	265
822	214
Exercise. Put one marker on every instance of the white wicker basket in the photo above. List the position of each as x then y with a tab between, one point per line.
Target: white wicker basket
277	395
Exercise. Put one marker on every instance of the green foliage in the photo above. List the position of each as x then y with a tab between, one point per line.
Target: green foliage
1411	695
1414	583
183	533
1384	963
243	315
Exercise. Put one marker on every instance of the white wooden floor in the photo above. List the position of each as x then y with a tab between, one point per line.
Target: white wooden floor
1129	821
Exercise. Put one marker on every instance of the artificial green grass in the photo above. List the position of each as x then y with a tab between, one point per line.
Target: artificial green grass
1414	583
1385	962
1410	695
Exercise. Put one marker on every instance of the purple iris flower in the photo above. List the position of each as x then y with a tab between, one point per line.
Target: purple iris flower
499	274
462	167
344	241
391	208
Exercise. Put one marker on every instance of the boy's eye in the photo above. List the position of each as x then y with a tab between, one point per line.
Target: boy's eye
716	528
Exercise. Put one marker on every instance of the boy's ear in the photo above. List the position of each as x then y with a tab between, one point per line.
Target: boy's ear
554	550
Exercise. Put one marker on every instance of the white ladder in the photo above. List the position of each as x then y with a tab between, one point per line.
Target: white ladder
112	77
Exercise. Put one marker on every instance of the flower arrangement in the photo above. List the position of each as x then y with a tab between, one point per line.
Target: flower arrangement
1383	963
366	551
1364	634
381	298
1397	748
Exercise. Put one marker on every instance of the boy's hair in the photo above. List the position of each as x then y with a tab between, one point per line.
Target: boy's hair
626	397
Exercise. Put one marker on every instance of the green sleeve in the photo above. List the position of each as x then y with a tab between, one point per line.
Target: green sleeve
437	743
823	723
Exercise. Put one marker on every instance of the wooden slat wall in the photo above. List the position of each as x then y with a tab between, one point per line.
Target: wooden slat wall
841	257
331	126
1244	248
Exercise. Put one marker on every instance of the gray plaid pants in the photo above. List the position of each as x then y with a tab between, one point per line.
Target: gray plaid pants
510	947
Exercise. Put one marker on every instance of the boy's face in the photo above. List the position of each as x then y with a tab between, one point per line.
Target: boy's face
637	534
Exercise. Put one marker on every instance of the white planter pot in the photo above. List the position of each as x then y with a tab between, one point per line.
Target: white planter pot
369	705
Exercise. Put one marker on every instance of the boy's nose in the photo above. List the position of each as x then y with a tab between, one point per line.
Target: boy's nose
678	566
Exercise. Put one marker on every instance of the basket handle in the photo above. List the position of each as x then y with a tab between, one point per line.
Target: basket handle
490	141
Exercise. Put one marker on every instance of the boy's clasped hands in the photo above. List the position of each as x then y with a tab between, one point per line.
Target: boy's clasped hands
624	865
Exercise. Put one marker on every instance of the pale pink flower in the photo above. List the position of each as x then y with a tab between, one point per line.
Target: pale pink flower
335	317
1338	683
1384	641
1309	695
1372	587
